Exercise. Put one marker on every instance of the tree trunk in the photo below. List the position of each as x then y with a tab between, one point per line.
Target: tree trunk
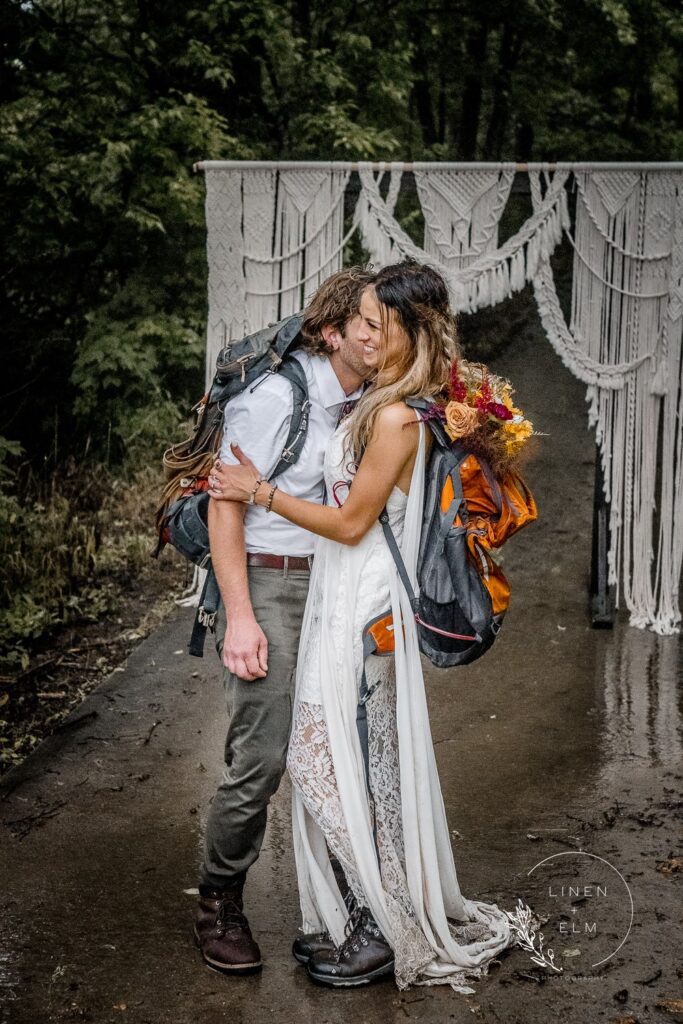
422	92
508	56
477	42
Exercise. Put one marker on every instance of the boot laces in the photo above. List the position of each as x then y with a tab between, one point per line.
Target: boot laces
230	915
356	930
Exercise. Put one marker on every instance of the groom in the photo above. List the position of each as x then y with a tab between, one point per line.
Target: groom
262	565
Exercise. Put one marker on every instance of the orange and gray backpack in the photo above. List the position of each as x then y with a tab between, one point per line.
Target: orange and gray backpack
462	593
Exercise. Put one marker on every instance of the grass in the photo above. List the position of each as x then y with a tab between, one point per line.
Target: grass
79	589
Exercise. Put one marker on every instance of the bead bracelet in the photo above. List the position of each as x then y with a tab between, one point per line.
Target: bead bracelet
269	503
252	496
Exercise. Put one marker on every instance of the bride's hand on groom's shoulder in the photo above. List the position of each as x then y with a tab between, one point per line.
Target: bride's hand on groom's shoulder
233	483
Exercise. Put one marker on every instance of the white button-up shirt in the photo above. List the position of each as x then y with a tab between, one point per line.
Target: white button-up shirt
258	421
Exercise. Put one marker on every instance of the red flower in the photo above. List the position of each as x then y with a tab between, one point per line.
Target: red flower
500	411
456	387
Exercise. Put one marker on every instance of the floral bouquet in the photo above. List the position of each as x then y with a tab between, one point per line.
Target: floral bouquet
481	414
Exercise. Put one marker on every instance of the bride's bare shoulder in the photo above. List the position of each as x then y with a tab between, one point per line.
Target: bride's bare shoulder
393	424
395	416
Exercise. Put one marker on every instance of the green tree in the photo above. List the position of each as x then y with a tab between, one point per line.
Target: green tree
106	107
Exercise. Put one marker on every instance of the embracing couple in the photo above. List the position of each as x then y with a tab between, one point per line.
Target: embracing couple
303	566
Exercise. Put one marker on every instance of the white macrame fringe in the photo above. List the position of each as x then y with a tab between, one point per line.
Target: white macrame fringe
617	344
275	231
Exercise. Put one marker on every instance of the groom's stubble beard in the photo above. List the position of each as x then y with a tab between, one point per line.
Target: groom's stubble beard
350	351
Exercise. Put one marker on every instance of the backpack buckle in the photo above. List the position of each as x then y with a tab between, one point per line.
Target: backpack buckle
368	694
206	618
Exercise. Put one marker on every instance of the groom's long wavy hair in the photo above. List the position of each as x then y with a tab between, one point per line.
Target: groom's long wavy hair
334	303
416	295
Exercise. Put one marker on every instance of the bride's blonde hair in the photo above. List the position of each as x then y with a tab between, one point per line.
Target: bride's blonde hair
417	296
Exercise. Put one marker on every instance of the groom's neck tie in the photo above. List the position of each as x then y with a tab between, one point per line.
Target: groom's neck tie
346	410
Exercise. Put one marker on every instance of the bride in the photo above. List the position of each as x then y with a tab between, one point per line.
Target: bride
398	907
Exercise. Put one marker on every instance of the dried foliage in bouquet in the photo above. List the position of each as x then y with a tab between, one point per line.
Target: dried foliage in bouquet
480	413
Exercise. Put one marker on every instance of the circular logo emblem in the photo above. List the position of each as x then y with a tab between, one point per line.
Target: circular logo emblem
586	909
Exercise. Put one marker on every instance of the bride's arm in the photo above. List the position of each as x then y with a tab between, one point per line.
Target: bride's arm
384	460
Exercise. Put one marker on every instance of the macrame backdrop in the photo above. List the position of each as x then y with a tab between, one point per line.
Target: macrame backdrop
272	238
275	231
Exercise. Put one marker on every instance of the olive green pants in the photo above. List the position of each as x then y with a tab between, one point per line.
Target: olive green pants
260	720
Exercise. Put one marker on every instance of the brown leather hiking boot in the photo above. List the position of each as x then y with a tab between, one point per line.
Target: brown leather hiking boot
223	935
364	956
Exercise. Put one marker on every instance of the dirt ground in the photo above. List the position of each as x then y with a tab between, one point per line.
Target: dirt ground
560	761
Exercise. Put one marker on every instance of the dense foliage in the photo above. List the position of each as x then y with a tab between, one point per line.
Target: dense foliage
104	108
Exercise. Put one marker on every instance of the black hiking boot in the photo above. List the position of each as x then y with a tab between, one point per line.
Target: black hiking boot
306	946
364	956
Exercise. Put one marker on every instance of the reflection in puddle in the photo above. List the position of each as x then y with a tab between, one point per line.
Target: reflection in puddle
640	683
9	979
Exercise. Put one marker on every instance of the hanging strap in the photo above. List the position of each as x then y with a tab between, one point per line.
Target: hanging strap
398	558
209	603
298	429
365	692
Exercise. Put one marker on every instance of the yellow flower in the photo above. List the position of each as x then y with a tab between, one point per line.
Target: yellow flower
517	433
461	420
506	399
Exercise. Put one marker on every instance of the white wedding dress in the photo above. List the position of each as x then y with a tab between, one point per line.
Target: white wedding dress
407	877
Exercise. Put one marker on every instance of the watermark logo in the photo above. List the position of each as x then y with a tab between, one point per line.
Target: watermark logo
585	908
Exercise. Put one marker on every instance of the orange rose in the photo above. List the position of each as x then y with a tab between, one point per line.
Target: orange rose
461	420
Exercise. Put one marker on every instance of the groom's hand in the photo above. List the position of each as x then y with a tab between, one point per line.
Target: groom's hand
245	650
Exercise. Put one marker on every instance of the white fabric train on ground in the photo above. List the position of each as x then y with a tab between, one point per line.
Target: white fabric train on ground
276	230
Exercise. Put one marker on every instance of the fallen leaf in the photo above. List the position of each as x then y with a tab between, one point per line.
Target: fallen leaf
674	1006
670	866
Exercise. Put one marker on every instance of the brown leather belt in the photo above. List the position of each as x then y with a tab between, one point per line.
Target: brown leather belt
292	562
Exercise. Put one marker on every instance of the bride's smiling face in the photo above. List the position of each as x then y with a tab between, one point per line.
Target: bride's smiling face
384	340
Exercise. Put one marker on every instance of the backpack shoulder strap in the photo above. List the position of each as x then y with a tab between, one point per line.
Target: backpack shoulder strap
398	559
293	371
434	423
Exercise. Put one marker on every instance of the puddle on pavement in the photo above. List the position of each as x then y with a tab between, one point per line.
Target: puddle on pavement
9	976
639	676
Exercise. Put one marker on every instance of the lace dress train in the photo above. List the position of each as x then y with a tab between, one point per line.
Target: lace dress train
391	840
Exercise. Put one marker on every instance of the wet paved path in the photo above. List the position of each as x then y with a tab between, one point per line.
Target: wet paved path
561	738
